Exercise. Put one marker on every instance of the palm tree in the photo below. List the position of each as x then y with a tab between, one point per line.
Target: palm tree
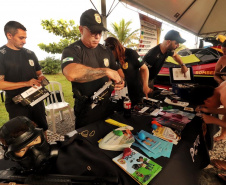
123	33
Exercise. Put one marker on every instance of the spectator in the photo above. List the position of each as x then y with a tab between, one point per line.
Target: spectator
220	69
135	71
209	99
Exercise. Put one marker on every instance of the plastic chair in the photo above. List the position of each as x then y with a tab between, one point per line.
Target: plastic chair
2	95
53	104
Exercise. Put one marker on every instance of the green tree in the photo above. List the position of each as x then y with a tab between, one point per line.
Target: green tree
124	34
50	65
67	30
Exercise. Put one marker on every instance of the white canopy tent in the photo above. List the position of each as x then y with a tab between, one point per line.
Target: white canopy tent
200	17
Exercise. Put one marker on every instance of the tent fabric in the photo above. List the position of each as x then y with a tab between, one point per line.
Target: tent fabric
200	17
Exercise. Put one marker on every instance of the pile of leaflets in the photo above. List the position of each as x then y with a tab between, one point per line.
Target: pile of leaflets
153	146
166	134
175	119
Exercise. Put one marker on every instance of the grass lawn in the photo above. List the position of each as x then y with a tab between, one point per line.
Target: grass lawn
66	86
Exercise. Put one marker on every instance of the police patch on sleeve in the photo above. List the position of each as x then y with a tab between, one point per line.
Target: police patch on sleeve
68	59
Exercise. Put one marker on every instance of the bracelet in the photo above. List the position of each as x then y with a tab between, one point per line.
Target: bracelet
182	65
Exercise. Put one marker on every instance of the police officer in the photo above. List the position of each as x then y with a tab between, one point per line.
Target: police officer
156	56
136	72
89	65
20	70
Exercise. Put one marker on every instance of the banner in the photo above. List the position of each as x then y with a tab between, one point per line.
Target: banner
149	34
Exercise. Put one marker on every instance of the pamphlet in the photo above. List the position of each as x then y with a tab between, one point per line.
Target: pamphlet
138	166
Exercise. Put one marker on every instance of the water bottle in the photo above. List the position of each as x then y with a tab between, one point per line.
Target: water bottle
127	107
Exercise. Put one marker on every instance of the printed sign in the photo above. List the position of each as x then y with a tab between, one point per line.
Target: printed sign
149	34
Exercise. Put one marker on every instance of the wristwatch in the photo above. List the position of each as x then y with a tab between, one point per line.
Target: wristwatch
182	65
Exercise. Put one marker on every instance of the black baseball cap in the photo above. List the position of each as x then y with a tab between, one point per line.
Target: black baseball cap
174	35
93	20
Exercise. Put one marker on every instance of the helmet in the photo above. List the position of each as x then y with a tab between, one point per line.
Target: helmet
17	134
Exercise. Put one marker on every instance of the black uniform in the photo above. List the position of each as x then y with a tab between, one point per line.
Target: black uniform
132	75
18	66
155	60
99	57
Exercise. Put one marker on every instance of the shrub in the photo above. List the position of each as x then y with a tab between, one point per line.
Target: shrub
50	65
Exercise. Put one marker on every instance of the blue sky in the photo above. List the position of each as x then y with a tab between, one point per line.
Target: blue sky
31	12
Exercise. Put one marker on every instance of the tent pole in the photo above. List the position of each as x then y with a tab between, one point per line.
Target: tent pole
104	15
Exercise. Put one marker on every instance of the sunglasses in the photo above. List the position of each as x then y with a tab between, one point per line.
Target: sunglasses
94	33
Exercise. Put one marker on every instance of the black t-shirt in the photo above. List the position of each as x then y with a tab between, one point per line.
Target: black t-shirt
155	60
132	75
99	57
17	66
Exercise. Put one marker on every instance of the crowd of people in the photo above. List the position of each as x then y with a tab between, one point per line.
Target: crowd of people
88	65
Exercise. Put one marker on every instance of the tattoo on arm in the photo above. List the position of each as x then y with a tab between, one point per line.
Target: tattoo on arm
2	77
90	75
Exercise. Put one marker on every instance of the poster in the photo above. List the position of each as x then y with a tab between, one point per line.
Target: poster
149	34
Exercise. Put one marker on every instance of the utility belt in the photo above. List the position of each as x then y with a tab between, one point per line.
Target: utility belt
102	96
77	96
82	102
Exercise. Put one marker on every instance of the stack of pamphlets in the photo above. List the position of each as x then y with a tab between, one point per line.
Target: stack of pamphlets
176	121
166	134
153	146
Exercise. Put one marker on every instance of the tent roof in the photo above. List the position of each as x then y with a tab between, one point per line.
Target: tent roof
200	17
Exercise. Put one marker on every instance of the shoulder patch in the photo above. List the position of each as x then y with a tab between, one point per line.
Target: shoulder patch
101	45
3	51
140	59
68	59
28	51
77	46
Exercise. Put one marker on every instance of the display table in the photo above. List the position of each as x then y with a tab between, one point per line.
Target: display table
188	157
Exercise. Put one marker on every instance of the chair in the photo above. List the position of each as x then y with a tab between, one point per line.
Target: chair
2	93
53	104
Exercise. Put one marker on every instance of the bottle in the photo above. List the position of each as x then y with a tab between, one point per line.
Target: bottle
127	107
